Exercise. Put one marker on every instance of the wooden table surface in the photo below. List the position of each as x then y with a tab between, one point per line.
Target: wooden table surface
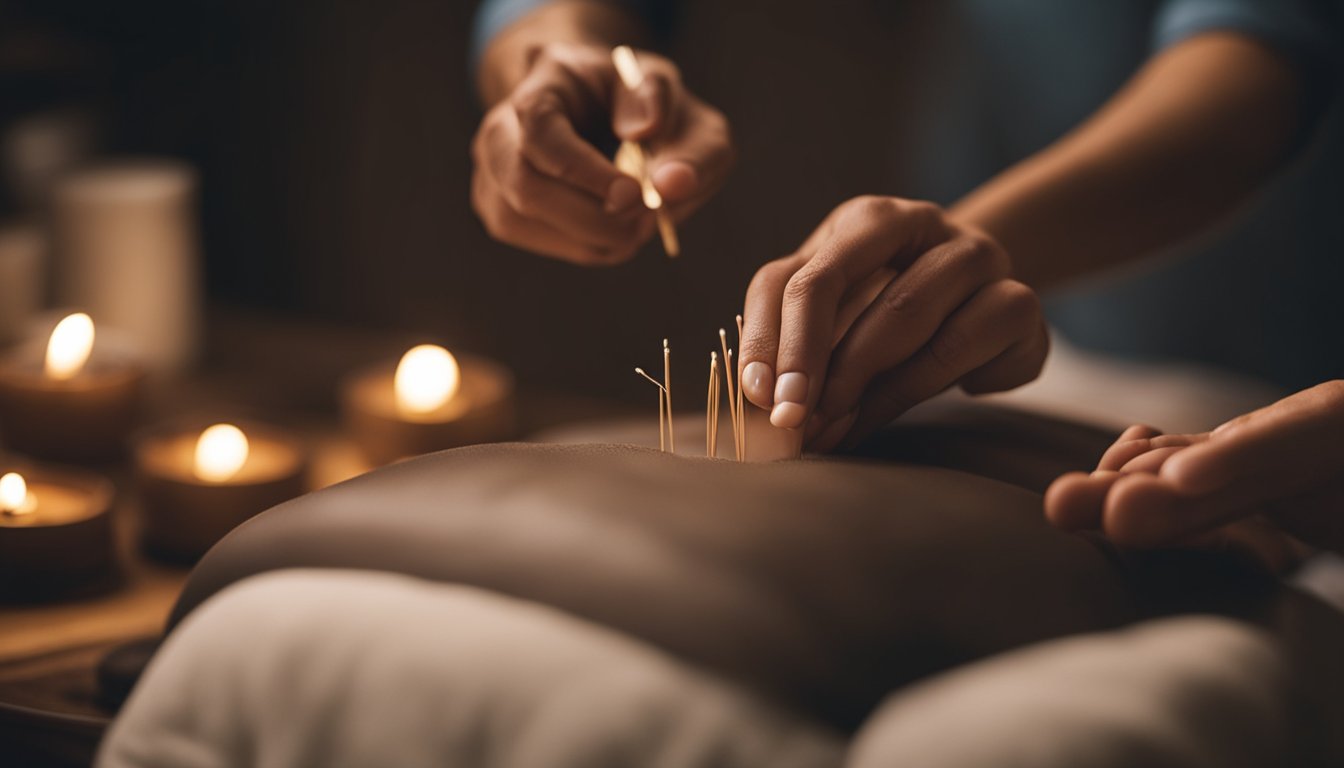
50	714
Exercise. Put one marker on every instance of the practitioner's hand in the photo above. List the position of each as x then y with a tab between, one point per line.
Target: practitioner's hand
540	185
1282	464
888	303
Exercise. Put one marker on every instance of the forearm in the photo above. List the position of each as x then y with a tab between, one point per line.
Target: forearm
1192	135
506	58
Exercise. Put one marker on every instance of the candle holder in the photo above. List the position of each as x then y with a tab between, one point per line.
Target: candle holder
56	537
83	414
481	410
187	510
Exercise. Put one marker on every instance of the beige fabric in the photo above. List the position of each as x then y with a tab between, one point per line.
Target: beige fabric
344	668
1194	692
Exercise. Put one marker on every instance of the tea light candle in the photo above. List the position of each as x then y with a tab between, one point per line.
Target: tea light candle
197	485
55	532
428	401
68	406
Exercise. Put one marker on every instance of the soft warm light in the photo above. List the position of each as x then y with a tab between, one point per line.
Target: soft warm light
14	498
427	377
220	452
70	346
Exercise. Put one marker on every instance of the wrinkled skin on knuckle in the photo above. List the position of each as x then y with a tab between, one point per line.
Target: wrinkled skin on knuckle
807	284
769	275
1019	304
873	208
549	53
922	211
898	303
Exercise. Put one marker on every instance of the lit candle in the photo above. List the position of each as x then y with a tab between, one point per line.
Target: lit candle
198	484
66	402
129	253
55	532
428	401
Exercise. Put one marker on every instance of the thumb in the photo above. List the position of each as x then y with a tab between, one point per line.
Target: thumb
641	113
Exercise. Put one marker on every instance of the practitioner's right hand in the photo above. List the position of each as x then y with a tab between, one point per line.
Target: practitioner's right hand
888	303
538	184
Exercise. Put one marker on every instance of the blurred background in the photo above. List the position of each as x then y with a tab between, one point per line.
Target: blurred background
331	141
331	144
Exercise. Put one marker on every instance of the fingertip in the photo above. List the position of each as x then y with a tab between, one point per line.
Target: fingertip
1137	432
1140	511
1192	473
787	415
1074	500
758	384
676	180
632	126
638	115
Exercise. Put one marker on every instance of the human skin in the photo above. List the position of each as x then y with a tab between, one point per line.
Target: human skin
1194	133
549	87
1279	467
823	583
799	578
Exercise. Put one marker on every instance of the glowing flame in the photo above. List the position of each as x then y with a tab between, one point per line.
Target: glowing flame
14	496
220	452
427	377
70	346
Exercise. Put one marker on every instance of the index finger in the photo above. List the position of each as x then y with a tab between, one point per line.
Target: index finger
1286	444
873	233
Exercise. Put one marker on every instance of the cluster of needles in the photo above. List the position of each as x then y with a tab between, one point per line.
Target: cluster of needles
736	410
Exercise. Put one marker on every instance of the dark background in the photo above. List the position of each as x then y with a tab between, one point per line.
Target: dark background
332	139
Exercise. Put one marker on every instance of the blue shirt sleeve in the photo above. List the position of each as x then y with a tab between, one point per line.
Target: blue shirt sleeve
494	15
1307	32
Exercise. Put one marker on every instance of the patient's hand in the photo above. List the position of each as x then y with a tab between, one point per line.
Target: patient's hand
886	304
1280	468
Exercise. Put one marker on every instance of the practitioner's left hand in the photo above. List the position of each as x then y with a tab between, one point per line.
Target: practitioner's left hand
887	303
1278	468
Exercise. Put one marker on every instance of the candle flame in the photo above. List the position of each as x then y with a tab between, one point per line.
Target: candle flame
220	452
70	346
14	496
427	377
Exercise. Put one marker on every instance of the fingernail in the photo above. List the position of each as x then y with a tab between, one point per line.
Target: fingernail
622	195
790	396
788	415
758	383
791	388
